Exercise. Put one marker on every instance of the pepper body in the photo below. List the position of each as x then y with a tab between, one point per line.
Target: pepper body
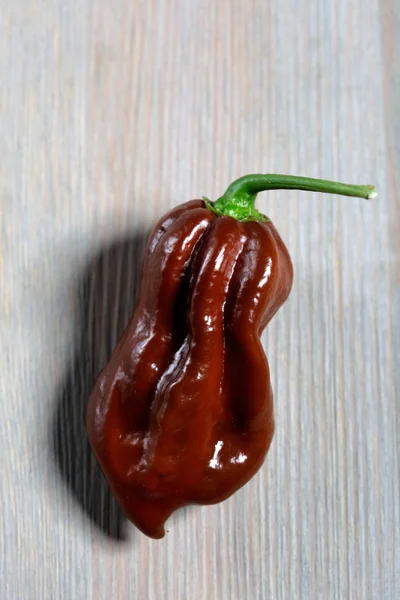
183	412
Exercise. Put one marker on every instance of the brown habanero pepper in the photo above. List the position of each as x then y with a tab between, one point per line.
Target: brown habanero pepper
183	412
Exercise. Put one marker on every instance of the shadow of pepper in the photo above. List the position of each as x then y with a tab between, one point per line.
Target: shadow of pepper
106	294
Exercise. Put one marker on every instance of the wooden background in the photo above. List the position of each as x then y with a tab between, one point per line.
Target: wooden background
112	111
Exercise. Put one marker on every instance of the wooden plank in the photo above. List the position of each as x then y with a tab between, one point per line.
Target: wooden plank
112	112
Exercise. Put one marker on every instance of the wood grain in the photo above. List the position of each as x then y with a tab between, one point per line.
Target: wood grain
112	112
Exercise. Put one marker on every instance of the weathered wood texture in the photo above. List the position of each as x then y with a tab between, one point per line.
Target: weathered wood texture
111	112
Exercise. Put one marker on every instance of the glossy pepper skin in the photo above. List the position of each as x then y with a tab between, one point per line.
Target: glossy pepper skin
183	412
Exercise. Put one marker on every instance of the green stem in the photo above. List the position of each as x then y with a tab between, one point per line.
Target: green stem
239	199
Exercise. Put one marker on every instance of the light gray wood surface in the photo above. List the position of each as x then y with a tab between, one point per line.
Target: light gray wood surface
110	113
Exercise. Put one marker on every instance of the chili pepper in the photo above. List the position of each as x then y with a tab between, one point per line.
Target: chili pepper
183	412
